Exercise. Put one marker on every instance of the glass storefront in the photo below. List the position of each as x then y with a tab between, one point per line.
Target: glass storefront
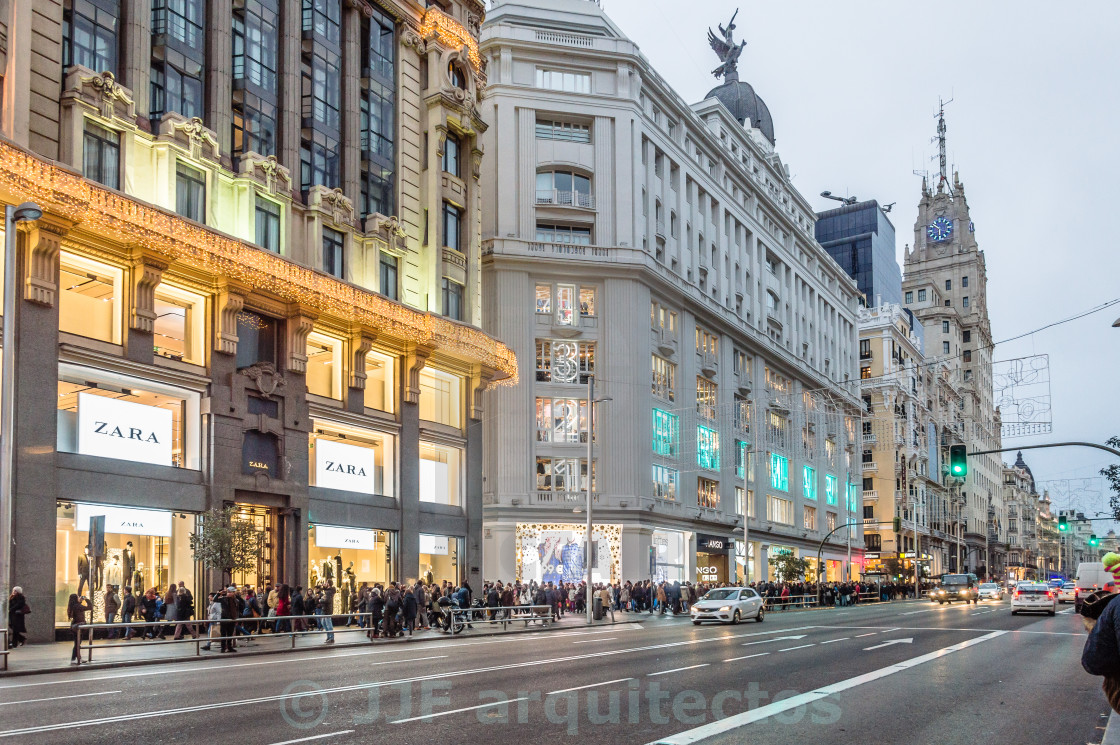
350	558
439	558
440	473
713	563
554	552
741	574
142	549
668	563
352	459
263	519
771	553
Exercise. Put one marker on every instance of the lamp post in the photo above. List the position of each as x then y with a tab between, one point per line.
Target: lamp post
28	211
591	401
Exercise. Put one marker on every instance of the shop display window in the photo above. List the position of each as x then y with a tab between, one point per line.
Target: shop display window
554	552
324	365
126	418
668	556
352	459
350	558
90	301
440	397
439	558
142	549
381	382
180	325
440	473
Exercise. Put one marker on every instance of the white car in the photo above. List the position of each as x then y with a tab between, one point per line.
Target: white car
1067	593
990	591
1034	598
728	605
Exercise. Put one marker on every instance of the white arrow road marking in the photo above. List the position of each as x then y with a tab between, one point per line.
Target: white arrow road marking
776	639
887	644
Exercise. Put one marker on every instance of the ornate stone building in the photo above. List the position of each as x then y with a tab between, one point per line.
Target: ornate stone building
660	249
256	283
945	286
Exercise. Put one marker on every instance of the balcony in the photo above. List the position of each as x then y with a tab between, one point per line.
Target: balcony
870	495
561	497
870	467
869	439
659	229
558	198
709	364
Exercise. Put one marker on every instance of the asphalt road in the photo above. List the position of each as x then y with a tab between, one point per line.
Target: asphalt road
906	673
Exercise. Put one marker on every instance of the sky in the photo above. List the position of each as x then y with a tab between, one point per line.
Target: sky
853	88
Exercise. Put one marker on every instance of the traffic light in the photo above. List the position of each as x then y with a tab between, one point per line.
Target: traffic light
958	461
1093	541
898	525
1063	523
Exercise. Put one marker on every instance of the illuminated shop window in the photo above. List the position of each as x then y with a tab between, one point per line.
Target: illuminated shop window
90	302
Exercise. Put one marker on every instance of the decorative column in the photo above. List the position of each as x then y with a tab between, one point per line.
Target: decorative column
408	539
229	299
361	341
147	270
136	54
291	81
219	80
353	12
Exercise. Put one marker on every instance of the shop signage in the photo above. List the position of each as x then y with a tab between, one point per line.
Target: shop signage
112	428
345	467
708	574
433	544
259	454
710	544
125	520
329	536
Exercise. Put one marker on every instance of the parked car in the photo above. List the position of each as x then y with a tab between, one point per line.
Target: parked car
990	591
1034	598
728	605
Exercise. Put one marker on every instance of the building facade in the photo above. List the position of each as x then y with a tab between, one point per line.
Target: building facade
861	239
660	250
945	286
256	285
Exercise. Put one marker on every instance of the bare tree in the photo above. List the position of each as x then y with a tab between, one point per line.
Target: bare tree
227	543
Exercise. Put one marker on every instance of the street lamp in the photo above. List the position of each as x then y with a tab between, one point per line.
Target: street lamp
26	212
591	401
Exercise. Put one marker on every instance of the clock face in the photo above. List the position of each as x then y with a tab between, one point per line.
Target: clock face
940	229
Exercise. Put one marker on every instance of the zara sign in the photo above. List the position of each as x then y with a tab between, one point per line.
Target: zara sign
124	520
112	428
345	467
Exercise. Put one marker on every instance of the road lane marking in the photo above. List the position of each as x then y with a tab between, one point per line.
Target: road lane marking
589	685
793	637
736	659
841	639
592	641
790	649
676	670
57	698
364	686
314	737
723	726
433	715
873	633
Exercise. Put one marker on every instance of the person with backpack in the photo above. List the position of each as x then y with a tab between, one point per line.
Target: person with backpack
392	609
409	608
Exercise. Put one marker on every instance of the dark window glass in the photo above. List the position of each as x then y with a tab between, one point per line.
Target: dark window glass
254	124
452	299
452	224
321	94
101	155
180	21
255	77
256	339
323	18
190	193
268	225
451	156
455	73
377	109
90	34
389	275
333	242
176	89
319	161
967	336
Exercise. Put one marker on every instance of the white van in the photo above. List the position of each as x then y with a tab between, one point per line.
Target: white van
1092	576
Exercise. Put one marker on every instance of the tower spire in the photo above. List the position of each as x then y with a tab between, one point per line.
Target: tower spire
943	181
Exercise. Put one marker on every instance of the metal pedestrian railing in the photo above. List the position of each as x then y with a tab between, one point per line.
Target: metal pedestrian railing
4	649
459	618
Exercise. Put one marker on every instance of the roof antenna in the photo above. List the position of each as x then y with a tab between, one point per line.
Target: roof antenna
943	181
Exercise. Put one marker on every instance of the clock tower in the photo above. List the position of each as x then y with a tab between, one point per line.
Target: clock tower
945	286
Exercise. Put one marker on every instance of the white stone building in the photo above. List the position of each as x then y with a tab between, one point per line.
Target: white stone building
660	248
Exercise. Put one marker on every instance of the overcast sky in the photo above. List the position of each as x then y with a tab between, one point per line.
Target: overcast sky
1033	130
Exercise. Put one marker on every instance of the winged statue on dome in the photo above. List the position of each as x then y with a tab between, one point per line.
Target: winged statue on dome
727	49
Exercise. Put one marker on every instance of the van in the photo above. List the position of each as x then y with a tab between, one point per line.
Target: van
1091	577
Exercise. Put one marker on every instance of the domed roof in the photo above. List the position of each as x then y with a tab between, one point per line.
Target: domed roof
743	103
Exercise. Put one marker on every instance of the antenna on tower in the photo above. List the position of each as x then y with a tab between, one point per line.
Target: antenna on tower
943	182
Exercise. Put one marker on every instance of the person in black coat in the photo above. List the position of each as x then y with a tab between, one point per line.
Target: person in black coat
409	609
17	609
376	606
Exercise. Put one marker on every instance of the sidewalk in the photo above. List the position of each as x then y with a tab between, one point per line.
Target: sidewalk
54	657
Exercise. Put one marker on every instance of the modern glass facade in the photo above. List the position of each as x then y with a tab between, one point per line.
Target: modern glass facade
861	239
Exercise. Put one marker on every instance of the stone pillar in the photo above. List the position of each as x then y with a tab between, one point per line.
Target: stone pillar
145	275
16	121
219	80
291	36
35	433
408	539
136	54
351	90
361	341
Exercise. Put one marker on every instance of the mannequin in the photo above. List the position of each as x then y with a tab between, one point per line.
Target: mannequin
97	567
314	576
138	579
351	579
571	559
83	569
113	572
328	569
338	569
128	562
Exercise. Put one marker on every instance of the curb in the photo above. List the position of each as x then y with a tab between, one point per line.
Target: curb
242	653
